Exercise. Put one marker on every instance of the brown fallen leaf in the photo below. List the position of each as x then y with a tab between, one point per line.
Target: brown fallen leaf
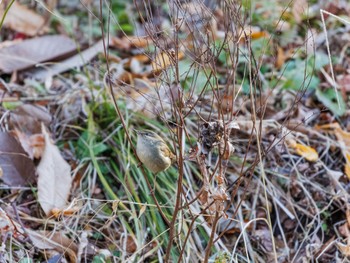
142	58
37	142
127	42
78	60
34	145
131	245
21	19
137	41
348	214
347	165
27	118
28	53
343	138
344	248
18	169
57	241
141	95
54	181
164	59
344	82
23	139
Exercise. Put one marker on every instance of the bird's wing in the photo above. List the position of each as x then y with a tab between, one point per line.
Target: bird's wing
167	152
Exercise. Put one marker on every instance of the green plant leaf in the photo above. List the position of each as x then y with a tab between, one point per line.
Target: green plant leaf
298	77
329	99
99	148
318	61
99	259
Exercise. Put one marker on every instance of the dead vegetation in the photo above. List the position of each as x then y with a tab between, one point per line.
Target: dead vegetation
251	98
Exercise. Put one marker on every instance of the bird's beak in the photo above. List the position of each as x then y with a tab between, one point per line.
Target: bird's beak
136	131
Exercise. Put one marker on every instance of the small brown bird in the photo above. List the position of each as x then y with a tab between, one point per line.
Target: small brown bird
153	151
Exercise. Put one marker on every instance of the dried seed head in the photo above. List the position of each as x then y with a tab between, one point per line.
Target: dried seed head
211	134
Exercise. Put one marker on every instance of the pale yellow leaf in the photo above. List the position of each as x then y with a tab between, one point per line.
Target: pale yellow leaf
142	210
305	151
54	179
164	59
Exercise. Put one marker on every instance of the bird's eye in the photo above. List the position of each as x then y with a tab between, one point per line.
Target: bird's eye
144	133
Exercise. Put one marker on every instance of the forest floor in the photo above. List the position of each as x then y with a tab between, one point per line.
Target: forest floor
252	98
